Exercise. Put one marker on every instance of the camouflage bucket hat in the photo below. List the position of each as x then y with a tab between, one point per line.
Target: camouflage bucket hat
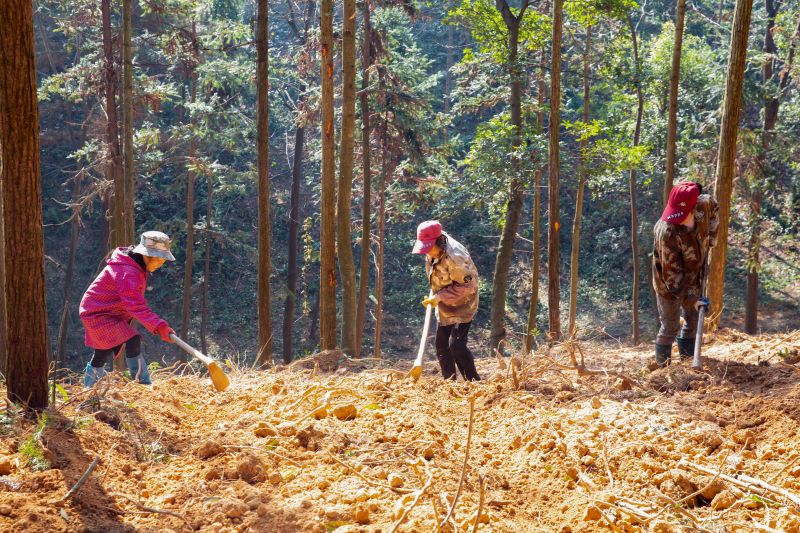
155	244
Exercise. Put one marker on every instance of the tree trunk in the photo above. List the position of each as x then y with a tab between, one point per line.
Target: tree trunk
294	225
672	115
553	291
584	174
505	248
347	269
771	107
190	177
3	337
376	352
537	208
114	172
366	213
327	278
632	186
26	309
448	79
63	330
262	141
727	153
207	266
127	123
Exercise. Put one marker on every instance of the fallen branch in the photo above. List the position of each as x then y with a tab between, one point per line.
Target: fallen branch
464	467
480	506
372	482
78	484
745	482
417	497
153	510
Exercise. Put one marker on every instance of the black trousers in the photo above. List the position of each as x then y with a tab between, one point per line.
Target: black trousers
452	352
133	347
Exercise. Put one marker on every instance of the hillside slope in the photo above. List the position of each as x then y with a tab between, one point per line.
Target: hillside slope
362	449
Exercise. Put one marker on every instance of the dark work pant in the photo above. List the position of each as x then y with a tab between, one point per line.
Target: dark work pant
670	312
133	347
452	351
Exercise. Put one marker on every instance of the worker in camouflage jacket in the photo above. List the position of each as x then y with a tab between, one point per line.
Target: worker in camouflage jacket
454	293
682	241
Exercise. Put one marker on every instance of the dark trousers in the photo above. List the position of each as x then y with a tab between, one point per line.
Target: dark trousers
452	352
670	312
133	347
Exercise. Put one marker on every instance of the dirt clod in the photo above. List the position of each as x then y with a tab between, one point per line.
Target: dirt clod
208	449
6	466
345	412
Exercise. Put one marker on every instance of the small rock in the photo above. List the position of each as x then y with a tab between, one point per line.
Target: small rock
5	509
214	473
596	403
208	449
623	384
234	508
592	514
661	526
320	412
264	430
744	436
262	510
5	466
287	429
723	500
275	478
395	480
345	412
249	467
795	471
710	491
361	515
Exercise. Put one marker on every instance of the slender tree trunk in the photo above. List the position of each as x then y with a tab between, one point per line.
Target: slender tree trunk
366	213
262	141
190	178
505	248
63	330
347	269
448	79
381	240
327	278
672	115
127	123
553	291
207	266
537	209
771	106
584	174
294	225
727	153
23	240
632	185
114	171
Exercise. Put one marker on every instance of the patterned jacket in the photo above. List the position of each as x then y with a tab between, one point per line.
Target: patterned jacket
454	279
114	298
679	253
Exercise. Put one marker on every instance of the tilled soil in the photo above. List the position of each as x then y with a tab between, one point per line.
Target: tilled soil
363	449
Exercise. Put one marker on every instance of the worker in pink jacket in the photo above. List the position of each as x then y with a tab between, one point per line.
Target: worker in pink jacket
454	283
115	298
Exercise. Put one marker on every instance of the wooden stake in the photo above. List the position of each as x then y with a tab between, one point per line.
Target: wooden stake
78	484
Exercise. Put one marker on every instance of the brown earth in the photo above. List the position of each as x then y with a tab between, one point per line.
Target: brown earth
362	449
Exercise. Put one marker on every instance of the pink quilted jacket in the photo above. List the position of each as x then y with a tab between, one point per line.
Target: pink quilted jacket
114	298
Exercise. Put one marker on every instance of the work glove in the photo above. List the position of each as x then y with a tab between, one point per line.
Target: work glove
433	301
164	332
701	302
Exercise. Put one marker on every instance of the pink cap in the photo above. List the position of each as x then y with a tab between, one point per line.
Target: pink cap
427	233
682	199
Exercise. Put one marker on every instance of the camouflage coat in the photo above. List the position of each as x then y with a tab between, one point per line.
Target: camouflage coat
679	253
454	279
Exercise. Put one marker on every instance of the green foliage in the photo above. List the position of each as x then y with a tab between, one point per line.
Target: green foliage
32	449
490	32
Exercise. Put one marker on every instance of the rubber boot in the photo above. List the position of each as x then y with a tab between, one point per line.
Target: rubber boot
686	347
663	354
92	375
137	366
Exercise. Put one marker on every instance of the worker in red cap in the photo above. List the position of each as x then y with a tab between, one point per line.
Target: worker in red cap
454	284
682	239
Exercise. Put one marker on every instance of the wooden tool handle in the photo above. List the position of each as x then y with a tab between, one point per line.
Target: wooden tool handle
191	351
425	329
